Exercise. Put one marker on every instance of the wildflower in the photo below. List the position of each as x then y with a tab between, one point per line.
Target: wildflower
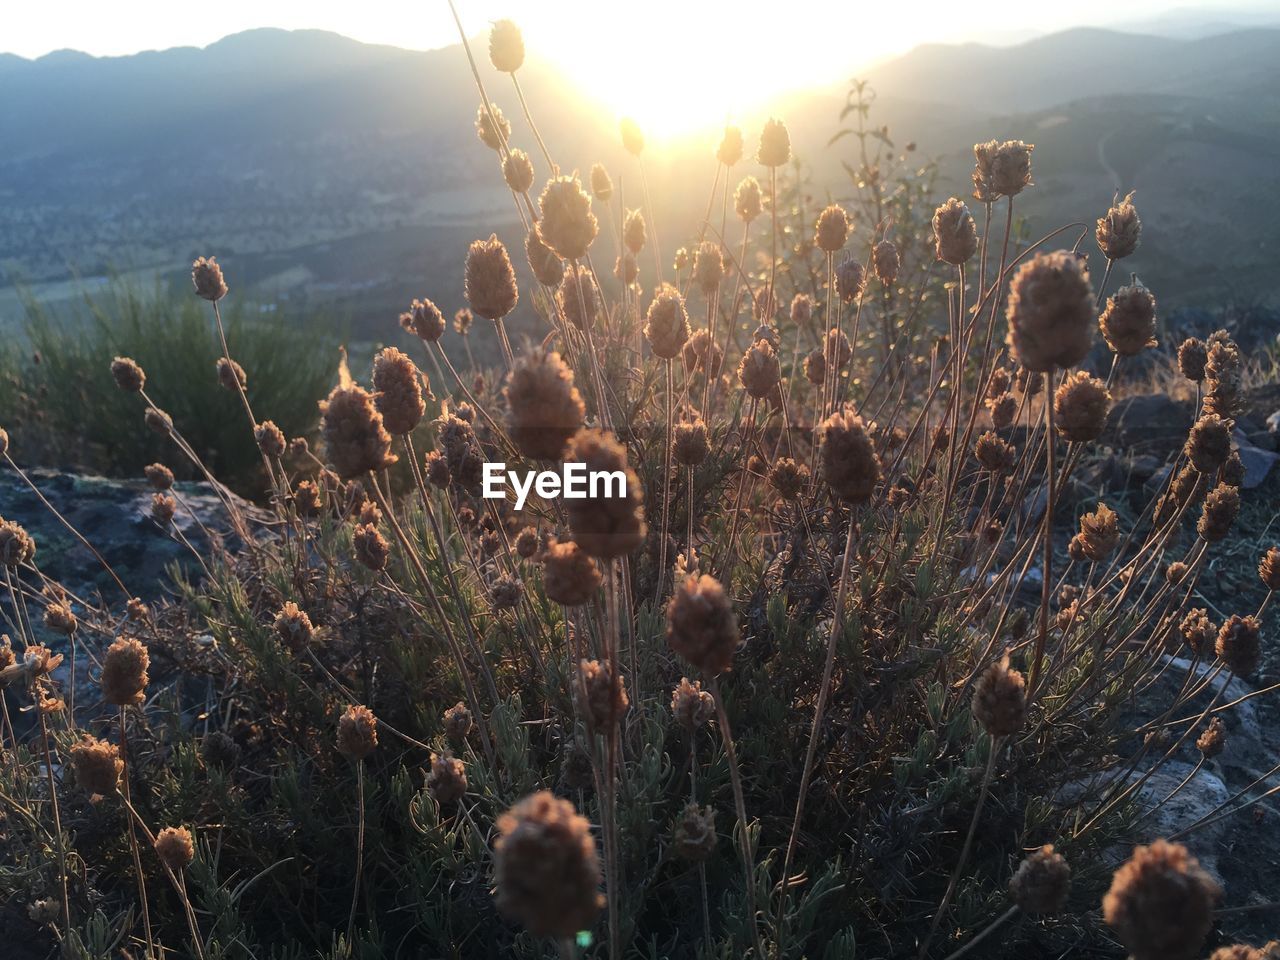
1042	882
270	438
633	231
606	526
1003	409
851	278
489	281
955	235
97	766
1050	312
885	260
517	171
701	626
689	443
230	374
462	320
457	722
546	870
16	545
601	185
789	478
801	309
1222	371
424	320
526	543
128	376
1269	569
1128	322
775	144
831	232
506	46
815	368
1213	740
159	476
666	322
1220	509
1081	403
354	434
1209	443
124	672
1176	572
1119	231
632	138
626	269
306	497
176	848
692	706
357	732
544	409
995	454
1001	169
730	150
702	353
1099	533
578	298
1192	356
605	695
217	749
547	268
708	267
59	618
370	547
446	780
1161	903
492	127
206	277
848	459
747	203
759	370
1239	644
569	575
1000	699
567	226
695	833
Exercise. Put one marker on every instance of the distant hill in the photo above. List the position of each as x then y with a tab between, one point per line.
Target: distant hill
327	171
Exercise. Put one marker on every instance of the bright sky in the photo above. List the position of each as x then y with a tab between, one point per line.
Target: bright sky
668	63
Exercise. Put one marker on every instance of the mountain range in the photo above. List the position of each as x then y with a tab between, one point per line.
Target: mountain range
324	171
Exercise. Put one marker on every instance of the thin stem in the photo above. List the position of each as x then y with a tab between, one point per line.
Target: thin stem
355	886
133	836
1047	579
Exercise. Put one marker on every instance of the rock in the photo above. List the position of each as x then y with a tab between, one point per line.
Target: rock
1273	423
1257	462
1151	423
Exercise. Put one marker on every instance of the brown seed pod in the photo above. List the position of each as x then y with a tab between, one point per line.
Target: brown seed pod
708	267
689	444
747	202
848	461
506	593
1221	506
801	309
1001	169
1003	409
1269	569
1119	231
606	526
128	376
1099	533
1050	312
355	438
517	170
955	235
1042	882
886	262
995	454
16	545
634	233
293	627
124	672
775	144
446	780
851	280
270	438
489	281
547	268
546	869
544	409
206	277
370	547
701	626
1081	404
626	269
230	374
1161	903
357	732
605	699
1239	644
815	368
457	722
1192	356
1213	740
831	232
694	838
176	848
1209	443
759	370
789	478
567	224
492	127
569	576
729	152
691	706
1000	699
97	766
526	543
601	185
666	322
506	46
578	298
1128	322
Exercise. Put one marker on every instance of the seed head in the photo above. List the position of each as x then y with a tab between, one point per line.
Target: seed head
270	438
1042	882
506	593
1198	630
506	46
489	281
461	451
626	269
696	351
176	848
357	732
546	870
886	261
457	722
689	443
490	135
354	434
775	144
544	409
606	526
1099	533
1001	169
567	226
569	575
701	626
1081	403
632	138
517	170
1050	312
97	766
1222	371
746	199
1221	506
1269	569
398	385
708	267
446	780
604	695
1214	739
293	627
995	454
730	150
1128	322
815	368
526	543
831	232
955	235
691	706
124	672
851	278
1000	699
759	370
1119	231
1161	903
370	547
801	309
578	299
848	460
667	323
1003	409
1192	356
601	185
789	478
128	376
230	374
1209	443
633	231
1239	644
424	320
695	833
16	545
59	617
306	497
206	277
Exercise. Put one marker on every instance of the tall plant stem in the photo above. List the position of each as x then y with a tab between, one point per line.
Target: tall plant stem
740	805
964	851
57	817
546	154
742	483
175	879
987	931
1046	586
653	222
133	837
355	886
666	482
